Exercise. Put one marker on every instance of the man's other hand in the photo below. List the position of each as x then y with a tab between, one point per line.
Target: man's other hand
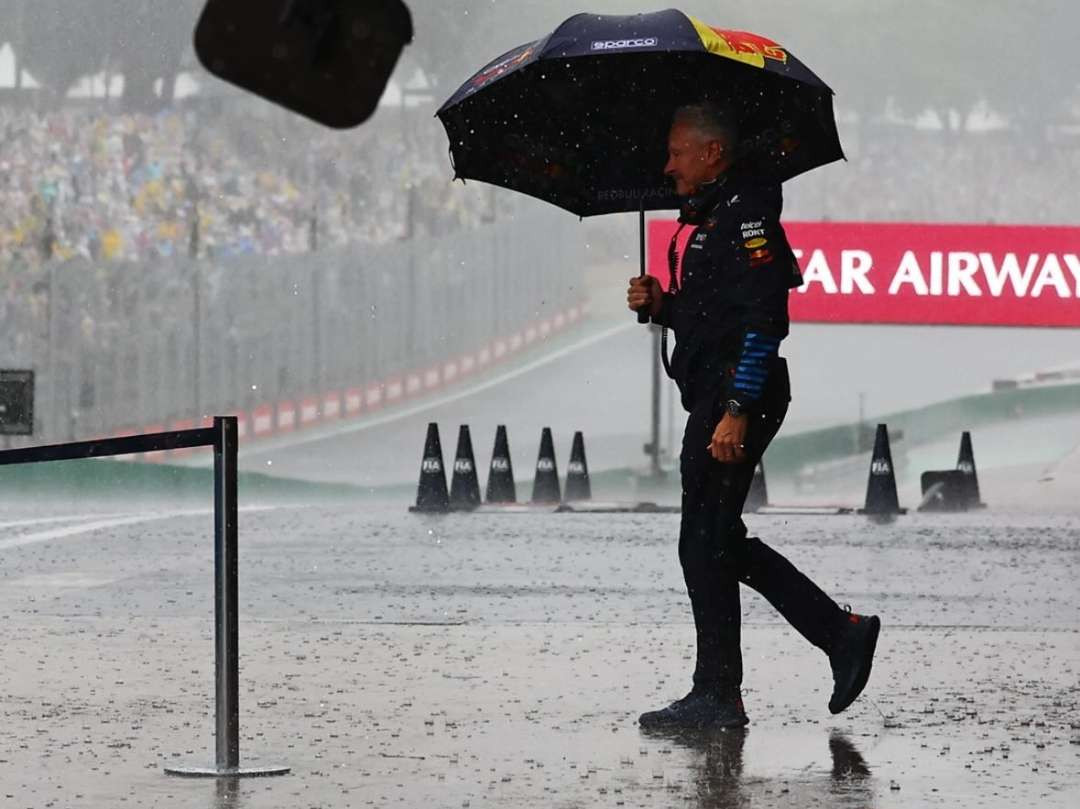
729	437
645	294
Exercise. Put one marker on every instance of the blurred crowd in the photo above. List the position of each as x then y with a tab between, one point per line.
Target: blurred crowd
78	182
901	174
106	186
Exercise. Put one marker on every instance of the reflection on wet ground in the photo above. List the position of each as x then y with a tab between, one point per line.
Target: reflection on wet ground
227	794
715	778
396	660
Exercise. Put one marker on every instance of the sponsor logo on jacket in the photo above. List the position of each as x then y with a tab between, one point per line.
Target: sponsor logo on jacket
753	228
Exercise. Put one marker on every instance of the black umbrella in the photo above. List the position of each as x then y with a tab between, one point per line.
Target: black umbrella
580	118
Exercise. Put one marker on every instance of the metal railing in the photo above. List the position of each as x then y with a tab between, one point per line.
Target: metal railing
222	436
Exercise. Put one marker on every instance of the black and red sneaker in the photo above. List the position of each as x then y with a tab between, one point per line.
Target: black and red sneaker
851	658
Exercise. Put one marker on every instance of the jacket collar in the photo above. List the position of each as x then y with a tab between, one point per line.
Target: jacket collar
697	206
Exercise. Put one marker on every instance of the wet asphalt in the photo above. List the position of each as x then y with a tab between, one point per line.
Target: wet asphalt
501	660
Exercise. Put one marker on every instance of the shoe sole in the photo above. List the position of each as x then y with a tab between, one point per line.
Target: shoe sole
863	675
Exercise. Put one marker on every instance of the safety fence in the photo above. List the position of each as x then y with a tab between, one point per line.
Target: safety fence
282	342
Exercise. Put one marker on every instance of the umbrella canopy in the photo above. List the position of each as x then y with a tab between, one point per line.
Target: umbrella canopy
580	118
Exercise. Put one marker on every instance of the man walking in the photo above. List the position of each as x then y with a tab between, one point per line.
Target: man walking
728	310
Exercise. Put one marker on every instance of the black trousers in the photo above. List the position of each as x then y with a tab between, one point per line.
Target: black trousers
717	555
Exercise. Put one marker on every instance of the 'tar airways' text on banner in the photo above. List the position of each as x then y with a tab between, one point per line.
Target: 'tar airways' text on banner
855	272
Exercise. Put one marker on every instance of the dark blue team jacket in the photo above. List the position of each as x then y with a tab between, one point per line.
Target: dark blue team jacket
730	312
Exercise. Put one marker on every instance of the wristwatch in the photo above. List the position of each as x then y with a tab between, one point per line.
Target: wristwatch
733	407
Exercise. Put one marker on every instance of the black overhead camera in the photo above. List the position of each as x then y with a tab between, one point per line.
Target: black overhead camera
328	60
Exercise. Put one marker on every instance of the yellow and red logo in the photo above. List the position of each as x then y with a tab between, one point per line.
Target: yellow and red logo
760	256
743	46
748	43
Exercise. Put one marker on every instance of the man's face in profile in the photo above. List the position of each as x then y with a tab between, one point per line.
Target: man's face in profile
693	158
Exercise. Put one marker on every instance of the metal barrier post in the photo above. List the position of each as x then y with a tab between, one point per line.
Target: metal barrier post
226	620
226	615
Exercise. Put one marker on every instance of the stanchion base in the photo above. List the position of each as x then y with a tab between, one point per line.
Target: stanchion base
237	772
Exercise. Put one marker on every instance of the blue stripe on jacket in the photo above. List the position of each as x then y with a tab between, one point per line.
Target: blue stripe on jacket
753	368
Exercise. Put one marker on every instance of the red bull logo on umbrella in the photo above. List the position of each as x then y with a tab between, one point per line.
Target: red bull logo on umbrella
748	43
743	46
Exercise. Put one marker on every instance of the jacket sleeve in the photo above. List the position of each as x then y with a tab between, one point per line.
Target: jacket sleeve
764	269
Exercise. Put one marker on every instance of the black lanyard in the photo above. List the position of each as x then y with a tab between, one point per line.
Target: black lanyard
673	260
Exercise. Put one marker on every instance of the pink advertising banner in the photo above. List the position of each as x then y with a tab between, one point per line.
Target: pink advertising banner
859	272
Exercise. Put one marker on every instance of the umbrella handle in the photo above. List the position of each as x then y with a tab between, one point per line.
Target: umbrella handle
642	316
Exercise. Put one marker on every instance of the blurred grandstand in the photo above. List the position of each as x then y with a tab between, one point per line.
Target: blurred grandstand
80	181
115	145
104	185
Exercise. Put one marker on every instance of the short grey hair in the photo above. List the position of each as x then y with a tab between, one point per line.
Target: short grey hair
710	120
